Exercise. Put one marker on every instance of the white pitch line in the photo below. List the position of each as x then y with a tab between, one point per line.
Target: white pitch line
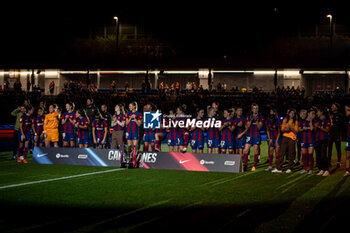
59	178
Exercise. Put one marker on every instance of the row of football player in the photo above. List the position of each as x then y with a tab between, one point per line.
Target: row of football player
248	132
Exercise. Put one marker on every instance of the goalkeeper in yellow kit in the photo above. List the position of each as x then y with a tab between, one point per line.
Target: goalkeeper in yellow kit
51	127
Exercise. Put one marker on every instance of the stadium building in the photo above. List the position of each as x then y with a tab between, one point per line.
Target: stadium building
263	79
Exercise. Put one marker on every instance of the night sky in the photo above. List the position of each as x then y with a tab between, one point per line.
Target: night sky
211	26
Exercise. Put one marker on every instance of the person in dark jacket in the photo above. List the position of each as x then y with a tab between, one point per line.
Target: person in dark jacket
335	132
90	112
107	116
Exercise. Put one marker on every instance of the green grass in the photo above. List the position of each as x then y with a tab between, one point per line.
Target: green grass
140	200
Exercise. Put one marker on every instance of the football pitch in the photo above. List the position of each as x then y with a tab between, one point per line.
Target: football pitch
64	198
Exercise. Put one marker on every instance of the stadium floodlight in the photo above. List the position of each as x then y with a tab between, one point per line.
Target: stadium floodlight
330	22
330	18
331	32
117	31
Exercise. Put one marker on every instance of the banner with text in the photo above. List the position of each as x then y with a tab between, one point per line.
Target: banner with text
77	156
148	160
190	161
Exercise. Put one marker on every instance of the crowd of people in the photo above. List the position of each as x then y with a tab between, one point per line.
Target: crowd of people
175	88
295	128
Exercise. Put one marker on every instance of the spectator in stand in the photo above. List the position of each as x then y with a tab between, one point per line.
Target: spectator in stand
52	87
36	88
113	87
126	86
28	85
161	88
200	89
81	85
92	88
223	86
72	87
148	86
166	88
65	85
7	85
172	87
194	86
218	87
177	88
17	86
143	87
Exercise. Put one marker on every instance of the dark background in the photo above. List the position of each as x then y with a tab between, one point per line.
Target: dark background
34	34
